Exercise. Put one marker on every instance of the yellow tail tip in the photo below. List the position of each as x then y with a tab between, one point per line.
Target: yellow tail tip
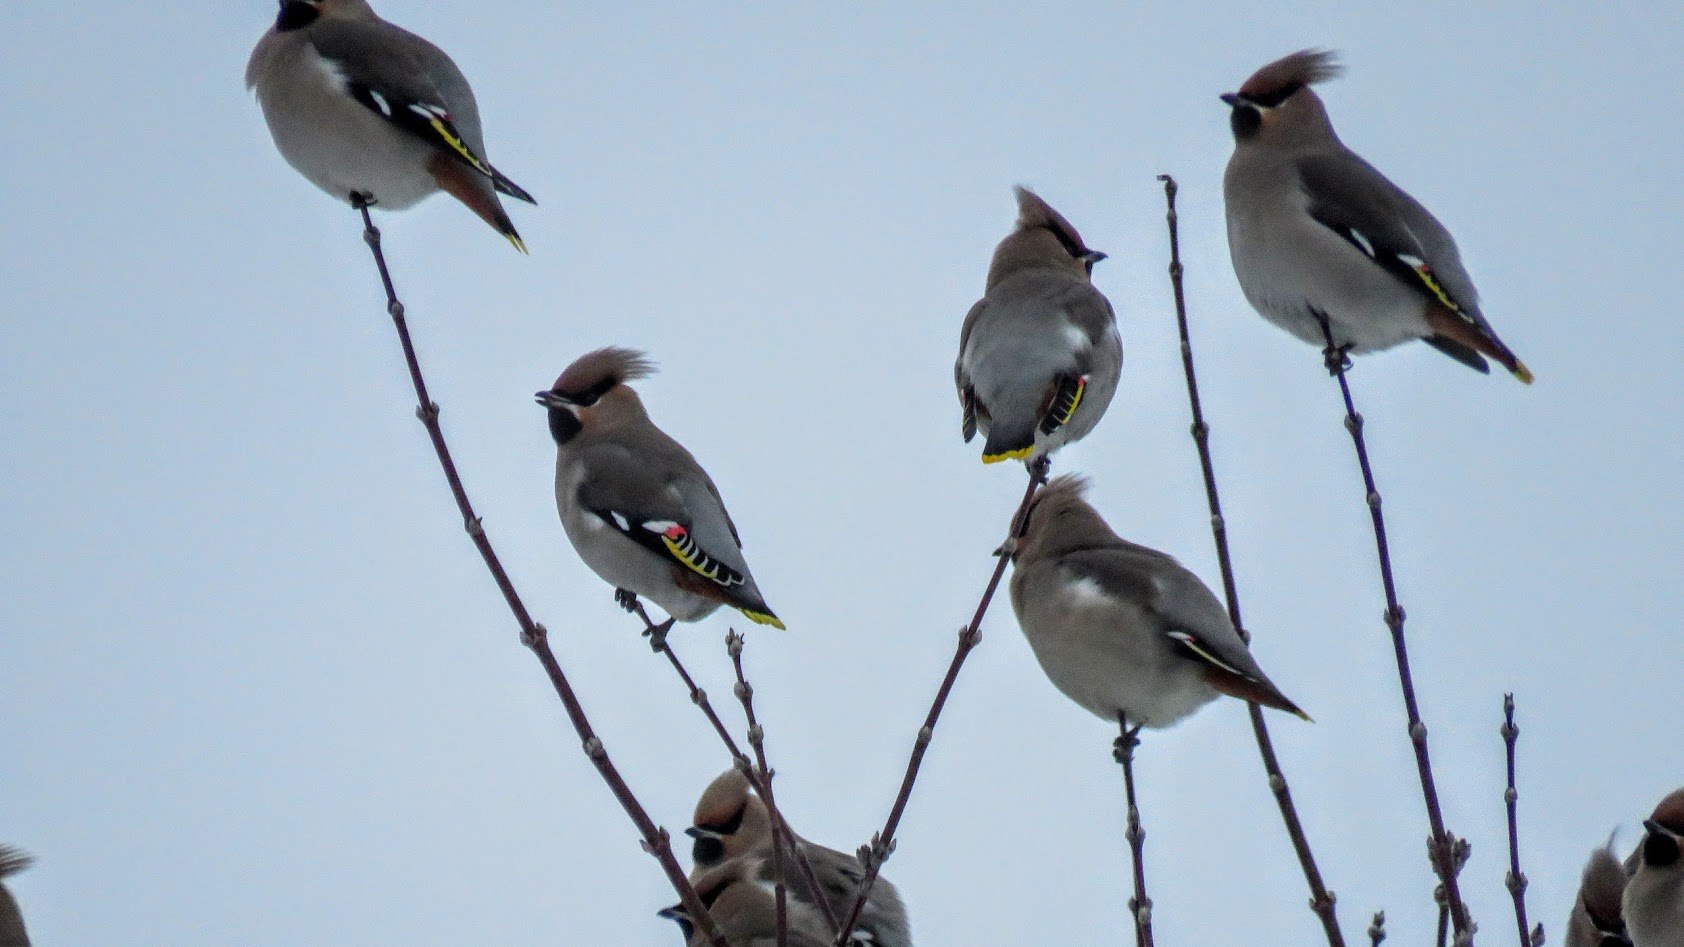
519	244
1521	372
1018	454
763	618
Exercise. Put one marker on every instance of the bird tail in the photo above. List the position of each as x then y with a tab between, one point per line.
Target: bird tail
1011	437
1465	340
762	616
477	193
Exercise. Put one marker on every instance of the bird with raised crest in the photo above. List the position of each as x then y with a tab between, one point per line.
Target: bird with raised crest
1317	234
635	504
1653	901
1039	353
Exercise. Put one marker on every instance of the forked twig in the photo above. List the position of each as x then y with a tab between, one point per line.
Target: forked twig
882	843
1140	906
1515	879
1446	852
1321	899
780	830
744	765
1377	929
532	634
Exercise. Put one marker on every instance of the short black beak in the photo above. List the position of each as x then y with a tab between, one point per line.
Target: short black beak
1654	827
550	399
1094	256
694	832
1230	98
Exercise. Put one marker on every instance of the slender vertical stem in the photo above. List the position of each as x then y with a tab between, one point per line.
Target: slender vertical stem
699	697
532	634
1515	879
1140	906
882	843
1446	852
1321	899
757	739
1377	929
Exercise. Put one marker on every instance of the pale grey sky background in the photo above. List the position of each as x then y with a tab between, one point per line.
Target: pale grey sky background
256	687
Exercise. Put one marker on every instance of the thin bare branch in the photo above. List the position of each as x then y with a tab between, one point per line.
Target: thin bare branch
656	841
1321	899
1140	906
757	739
882	844
1377	929
1446	852
1515	879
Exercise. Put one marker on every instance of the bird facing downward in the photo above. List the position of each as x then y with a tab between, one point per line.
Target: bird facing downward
744	906
731	823
1315	232
637	507
1653	903
370	112
1039	353
1596	920
1122	629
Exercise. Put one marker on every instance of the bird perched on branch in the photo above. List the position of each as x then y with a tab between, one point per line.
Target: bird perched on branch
733	824
744	906
637	507
1653	903
1596	920
1119	628
373	114
1039	353
12	932
1317	233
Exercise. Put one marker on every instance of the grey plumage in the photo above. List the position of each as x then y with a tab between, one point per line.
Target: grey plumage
635	504
1596	919
1039	353
731	822
1314	230
1121	628
1653	901
12	931
360	106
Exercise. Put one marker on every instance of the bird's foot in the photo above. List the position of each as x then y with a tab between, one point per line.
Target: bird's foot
1122	748
1039	468
1337	358
657	635
626	599
1007	548
361	199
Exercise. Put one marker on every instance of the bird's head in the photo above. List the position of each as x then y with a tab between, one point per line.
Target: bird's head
1058	519
1042	238
593	390
1279	95
297	14
729	820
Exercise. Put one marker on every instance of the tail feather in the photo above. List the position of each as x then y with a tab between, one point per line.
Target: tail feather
1459	337
1009	440
476	193
1252	690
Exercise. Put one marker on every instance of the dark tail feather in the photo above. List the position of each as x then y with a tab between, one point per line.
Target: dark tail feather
1251	689
506	186
1008	441
1458	337
1459	352
469	187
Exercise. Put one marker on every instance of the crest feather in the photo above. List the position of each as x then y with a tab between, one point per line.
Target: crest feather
612	365
1033	212
722	800
1292	72
13	860
1670	811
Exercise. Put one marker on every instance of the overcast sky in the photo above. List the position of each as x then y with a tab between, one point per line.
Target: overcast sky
256	687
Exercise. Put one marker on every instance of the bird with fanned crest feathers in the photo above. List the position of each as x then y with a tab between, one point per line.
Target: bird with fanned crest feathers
1039	353
635	504
1316	233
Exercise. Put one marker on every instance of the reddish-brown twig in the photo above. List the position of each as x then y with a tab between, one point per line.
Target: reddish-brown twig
1446	852
780	831
882	843
532	634
1321	899
1515	879
1140	906
699	697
